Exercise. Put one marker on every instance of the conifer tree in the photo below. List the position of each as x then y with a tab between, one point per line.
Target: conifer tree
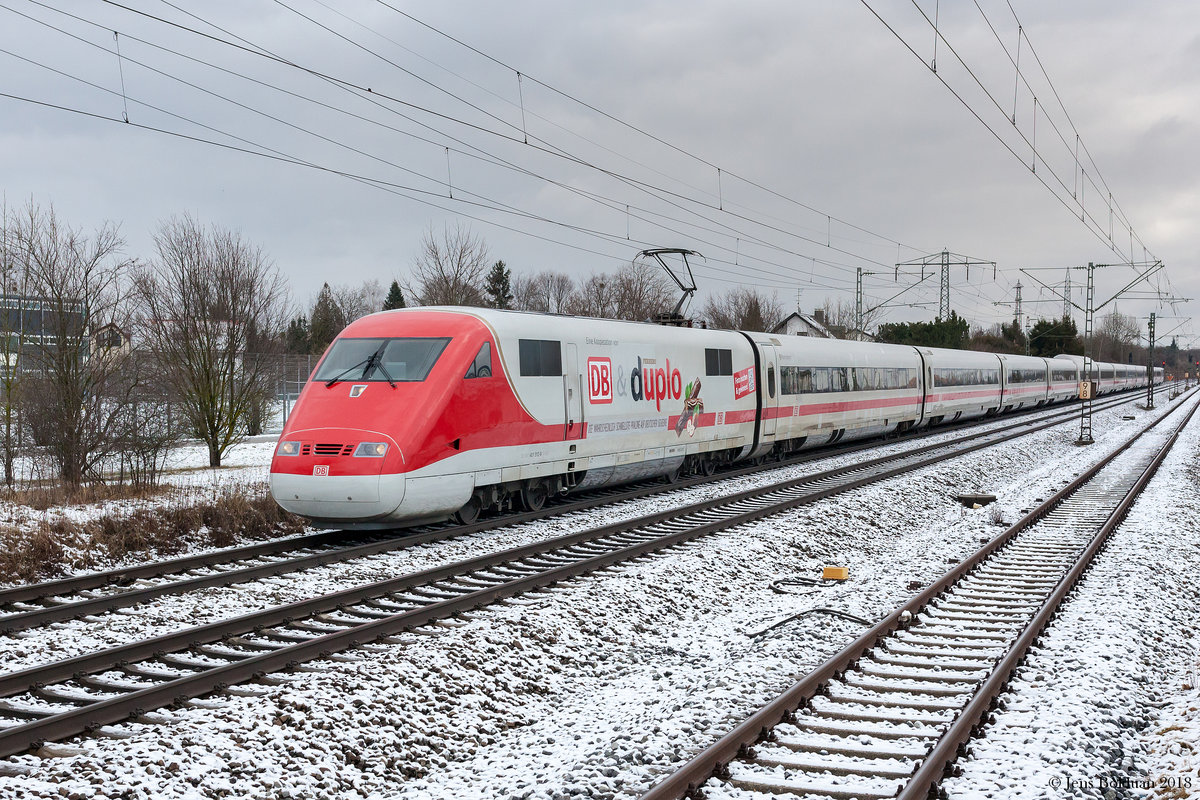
296	338
327	321
498	286
395	298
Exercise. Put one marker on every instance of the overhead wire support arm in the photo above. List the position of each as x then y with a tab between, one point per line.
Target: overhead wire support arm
885	303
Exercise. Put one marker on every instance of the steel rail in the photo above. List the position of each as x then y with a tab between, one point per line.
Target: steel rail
714	759
14	682
928	776
60	611
22	737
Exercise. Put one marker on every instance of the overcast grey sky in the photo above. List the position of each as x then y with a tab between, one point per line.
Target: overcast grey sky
838	147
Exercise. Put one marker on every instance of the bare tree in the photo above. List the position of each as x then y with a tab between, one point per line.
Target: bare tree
13	286
1115	337
743	308
149	428
211	304
641	291
594	298
358	301
548	292
76	286
524	292
838	317
450	270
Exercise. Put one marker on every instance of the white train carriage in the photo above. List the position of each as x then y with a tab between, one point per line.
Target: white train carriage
1064	379
960	384
831	390
1025	381
1131	376
1109	377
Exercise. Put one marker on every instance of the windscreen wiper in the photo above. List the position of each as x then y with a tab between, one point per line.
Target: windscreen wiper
366	362
374	360
379	366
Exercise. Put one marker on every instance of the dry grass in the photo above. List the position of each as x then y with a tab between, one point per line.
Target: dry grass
54	495
48	549
27	557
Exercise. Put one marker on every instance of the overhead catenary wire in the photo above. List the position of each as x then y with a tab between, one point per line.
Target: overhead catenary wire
1095	226
785	281
257	50
744	244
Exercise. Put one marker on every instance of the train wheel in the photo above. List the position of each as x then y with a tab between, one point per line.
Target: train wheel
470	511
708	466
674	475
534	495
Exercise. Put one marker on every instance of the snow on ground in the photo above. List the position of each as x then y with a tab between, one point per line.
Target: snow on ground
187	481
169	614
1107	705
246	466
592	689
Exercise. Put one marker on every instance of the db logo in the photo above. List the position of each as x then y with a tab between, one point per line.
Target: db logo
321	471
600	384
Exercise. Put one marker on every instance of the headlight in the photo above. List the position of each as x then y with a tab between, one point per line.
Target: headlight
370	450
288	449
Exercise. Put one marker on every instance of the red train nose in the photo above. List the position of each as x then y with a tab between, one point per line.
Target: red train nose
336	474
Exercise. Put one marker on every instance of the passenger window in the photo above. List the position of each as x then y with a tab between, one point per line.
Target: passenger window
540	358
718	361
481	367
771	380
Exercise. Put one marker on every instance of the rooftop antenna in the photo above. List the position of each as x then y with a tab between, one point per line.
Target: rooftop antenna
688	288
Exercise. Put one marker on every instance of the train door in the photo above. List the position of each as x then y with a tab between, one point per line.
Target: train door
924	386
769	389
573	394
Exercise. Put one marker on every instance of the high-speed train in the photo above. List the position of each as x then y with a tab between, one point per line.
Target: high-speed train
419	414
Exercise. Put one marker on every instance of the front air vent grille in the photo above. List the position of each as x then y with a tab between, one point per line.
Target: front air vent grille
332	449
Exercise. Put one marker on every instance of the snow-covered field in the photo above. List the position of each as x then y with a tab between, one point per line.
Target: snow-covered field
246	465
599	686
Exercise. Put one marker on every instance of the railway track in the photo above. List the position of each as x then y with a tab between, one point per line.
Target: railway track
889	714
35	605
62	699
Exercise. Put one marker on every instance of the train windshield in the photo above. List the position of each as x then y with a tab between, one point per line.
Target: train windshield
391	360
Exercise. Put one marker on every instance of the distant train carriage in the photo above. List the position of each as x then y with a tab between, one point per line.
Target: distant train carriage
1064	379
1109	377
1026	381
832	390
959	384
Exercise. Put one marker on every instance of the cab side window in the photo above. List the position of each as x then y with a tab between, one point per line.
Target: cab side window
481	367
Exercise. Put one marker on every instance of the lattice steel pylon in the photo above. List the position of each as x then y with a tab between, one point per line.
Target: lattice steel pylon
946	260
